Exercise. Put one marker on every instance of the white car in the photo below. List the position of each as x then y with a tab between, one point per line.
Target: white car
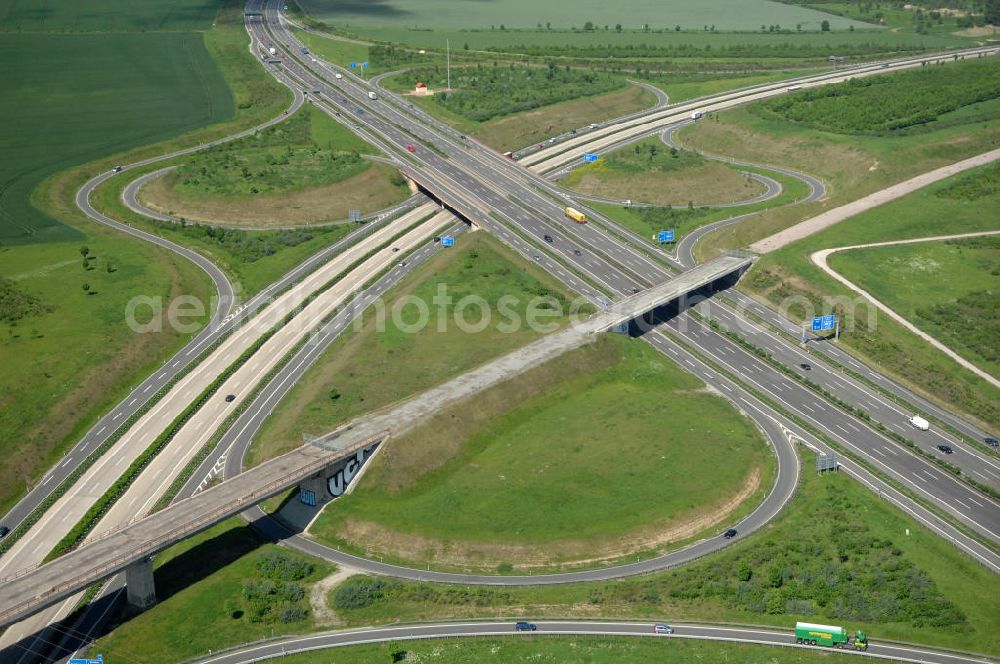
339	75
662	629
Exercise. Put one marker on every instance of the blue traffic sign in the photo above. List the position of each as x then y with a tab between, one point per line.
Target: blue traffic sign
590	156
99	660
665	236
823	323
447	241
354	65
364	64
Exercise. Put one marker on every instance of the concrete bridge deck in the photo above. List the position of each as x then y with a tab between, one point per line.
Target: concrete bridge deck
31	590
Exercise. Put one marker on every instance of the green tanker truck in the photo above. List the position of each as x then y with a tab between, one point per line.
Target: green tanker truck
828	635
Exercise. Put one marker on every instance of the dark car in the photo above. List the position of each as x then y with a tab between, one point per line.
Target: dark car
524	626
116	169
729	534
395	249
437	238
548	238
4	530
946	449
230	397
806	366
991	441
576	252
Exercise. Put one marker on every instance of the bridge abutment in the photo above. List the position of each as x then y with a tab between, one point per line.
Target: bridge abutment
140	590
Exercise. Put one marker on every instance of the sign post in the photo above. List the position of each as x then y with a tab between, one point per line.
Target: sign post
589	157
824	324
664	237
447	241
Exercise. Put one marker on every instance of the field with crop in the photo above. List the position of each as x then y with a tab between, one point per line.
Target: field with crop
950	290
535	474
112	16
74	98
747	15
651	172
366	369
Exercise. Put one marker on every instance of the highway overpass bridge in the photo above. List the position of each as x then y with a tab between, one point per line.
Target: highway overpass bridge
318	466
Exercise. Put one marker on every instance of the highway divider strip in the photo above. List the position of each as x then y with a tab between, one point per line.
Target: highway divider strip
815	431
104	503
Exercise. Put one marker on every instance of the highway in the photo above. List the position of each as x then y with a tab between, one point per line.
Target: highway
612	262
769	636
484	185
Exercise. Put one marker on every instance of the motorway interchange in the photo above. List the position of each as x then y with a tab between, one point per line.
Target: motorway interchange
599	260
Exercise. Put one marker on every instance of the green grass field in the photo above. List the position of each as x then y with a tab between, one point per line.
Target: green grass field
949	289
536	474
548	649
369	369
836	555
202	603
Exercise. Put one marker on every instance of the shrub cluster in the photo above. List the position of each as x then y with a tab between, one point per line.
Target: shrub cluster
274	595
248	246
980	183
16	303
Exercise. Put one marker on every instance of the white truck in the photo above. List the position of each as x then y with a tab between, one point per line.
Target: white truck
272	50
920	423
697	115
372	95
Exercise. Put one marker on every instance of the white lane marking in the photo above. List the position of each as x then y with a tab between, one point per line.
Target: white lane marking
879	452
971	499
117	415
962	504
920	477
101	430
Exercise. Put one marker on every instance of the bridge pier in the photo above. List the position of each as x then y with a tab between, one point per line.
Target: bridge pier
139	584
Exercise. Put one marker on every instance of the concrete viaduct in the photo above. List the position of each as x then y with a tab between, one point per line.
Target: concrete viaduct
131	548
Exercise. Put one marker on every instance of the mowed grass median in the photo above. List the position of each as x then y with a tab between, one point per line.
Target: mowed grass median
607	451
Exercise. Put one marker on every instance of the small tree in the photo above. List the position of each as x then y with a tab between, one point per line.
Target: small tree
84	250
86	288
589	26
825	26
618	27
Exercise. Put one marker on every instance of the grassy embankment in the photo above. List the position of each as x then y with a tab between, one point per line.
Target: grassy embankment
511	107
369	368
962	204
950	290
836	555
69	359
306	170
534	473
651	172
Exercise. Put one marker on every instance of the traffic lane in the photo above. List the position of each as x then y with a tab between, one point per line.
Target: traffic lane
854	392
771	637
920	475
870	374
624	257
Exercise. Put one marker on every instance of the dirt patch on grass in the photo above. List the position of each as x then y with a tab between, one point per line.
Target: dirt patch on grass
408	546
704	184
323	615
368	191
522	129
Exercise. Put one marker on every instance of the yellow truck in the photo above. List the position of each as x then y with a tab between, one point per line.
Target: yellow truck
576	215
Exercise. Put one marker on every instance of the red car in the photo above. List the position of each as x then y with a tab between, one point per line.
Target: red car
411	148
